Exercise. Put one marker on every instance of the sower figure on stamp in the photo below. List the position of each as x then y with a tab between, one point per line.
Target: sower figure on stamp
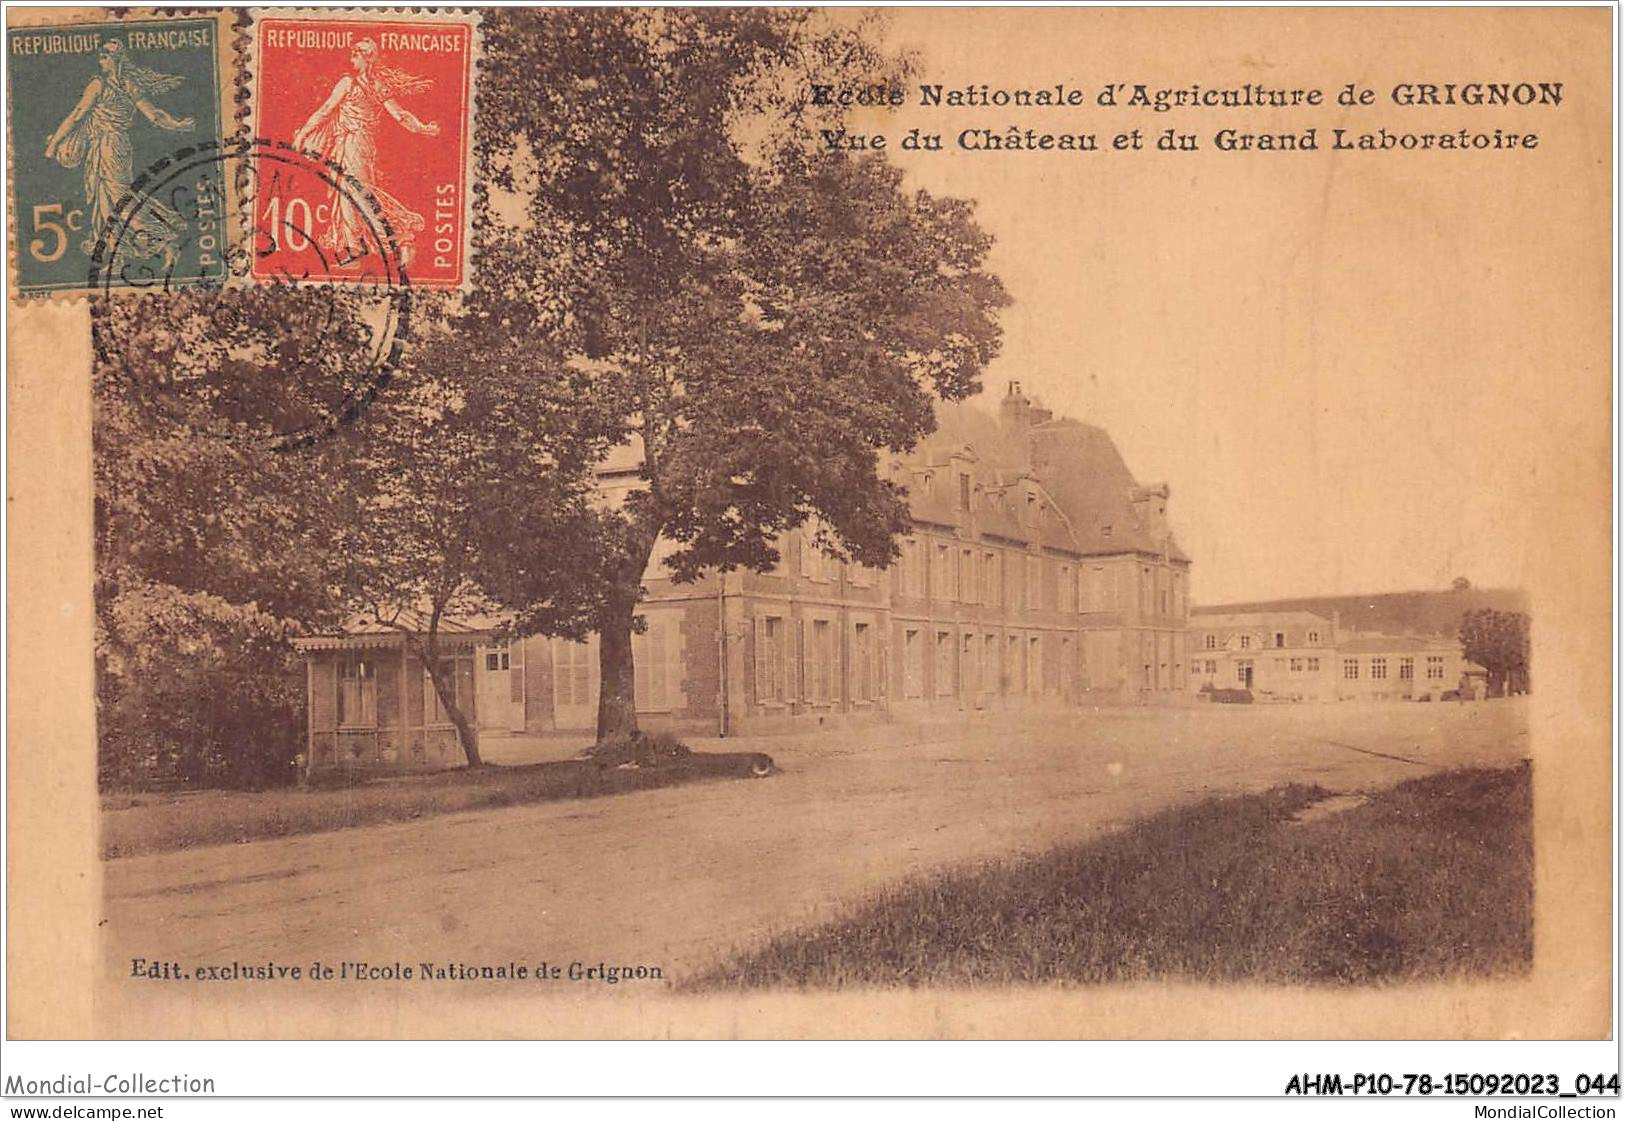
96	135
343	131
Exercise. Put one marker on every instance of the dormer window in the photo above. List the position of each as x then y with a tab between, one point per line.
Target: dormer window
1314	638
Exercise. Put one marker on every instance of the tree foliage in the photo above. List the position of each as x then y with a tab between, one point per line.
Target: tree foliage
663	262
469	494
761	320
1498	641
211	546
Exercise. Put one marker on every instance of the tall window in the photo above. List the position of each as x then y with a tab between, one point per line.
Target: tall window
358	693
821	687
1246	642
770	658
1035	665
1033	586
1407	669
914	567
964	491
990	579
1435	668
572	673
1210	642
1067	589
942	574
1314	638
652	659
945	664
863	662
967	575
1280	640
1351	669
1313	665
1379	669
913	664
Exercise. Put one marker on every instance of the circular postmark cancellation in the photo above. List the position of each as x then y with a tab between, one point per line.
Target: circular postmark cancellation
188	315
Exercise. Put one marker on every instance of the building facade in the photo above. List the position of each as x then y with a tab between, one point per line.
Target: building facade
1301	656
1020	585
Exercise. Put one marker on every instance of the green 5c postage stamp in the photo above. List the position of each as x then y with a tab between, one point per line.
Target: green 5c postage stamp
95	107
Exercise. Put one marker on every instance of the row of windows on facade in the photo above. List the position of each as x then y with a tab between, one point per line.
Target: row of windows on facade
1378	670
953	572
801	660
575	678
1245	642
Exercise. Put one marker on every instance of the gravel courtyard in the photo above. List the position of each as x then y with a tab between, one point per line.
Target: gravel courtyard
676	878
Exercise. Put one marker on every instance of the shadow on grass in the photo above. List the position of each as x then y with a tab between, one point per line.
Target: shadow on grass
147	823
1430	879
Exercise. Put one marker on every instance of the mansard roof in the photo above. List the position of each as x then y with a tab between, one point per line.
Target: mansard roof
1079	468
1085	471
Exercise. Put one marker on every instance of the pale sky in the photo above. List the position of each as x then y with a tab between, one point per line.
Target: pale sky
1346	365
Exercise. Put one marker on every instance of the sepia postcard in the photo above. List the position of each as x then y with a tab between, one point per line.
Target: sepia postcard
770	523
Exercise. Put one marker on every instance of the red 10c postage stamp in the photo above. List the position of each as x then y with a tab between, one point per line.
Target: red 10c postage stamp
374	113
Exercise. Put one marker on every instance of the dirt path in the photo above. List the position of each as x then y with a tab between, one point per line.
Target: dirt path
677	877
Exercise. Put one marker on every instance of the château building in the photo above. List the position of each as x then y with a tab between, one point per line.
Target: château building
1039	573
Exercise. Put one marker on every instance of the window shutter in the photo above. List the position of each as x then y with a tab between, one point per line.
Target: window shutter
581	672
640	668
759	656
657	665
793	663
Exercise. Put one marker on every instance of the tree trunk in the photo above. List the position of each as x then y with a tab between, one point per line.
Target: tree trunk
617	694
446	689
466	736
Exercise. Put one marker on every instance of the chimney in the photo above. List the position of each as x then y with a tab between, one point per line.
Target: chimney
1151	509
1014	409
1337	624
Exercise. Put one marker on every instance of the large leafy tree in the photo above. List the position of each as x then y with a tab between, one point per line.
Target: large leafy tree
762	320
1498	641
211	539
470	494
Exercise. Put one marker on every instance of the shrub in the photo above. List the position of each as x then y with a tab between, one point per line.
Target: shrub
640	749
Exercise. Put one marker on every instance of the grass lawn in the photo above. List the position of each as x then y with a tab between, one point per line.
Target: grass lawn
1430	879
141	823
